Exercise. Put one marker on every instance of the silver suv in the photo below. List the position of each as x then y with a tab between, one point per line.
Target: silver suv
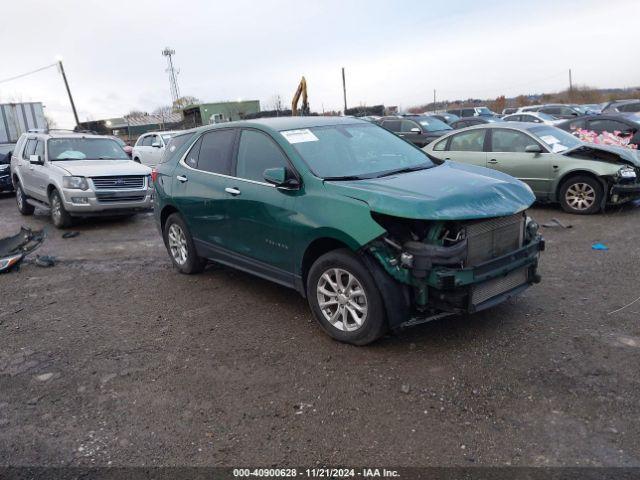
77	175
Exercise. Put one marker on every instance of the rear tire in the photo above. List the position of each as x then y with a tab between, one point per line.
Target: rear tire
581	195
21	201
345	299
180	246
59	215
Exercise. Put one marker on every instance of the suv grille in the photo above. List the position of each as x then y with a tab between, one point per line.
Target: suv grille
493	238
118	183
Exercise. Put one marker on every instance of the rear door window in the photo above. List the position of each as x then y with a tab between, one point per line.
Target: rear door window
609	126
407	125
393	125
256	153
216	150
472	141
510	141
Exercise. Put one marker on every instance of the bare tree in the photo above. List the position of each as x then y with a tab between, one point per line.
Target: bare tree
51	123
185	101
276	103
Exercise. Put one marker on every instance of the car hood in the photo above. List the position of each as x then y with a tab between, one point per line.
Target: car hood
621	154
102	168
450	191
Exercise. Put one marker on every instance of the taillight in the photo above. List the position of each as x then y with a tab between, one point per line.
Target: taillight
154	175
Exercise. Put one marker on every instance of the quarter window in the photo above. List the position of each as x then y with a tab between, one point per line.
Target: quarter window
215	151
510	141
472	141
256	153
146	141
440	146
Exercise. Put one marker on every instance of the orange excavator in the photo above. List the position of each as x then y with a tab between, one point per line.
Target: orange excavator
301	91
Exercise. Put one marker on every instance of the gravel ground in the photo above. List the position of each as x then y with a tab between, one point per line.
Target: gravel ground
113	358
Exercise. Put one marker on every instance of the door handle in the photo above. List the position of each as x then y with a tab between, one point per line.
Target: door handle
182	178
447	158
493	160
232	190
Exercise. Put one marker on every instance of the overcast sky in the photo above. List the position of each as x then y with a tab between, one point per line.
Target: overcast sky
395	52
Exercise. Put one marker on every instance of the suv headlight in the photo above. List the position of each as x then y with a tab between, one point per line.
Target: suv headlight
627	172
79	183
4	168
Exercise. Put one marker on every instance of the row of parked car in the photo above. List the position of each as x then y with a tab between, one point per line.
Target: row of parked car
537	147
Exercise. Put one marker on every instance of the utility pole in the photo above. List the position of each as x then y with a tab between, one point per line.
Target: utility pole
434	98
344	92
570	85
66	84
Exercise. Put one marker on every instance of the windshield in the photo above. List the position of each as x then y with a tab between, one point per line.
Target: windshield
484	111
432	124
85	149
557	140
355	151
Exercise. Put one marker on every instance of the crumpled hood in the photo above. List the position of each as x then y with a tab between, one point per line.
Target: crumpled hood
627	155
102	168
451	191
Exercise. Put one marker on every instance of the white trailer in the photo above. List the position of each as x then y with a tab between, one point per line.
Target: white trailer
18	118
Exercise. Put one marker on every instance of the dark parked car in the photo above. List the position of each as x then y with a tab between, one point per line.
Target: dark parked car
622	106
5	167
447	118
470	122
509	110
420	130
625	124
375	233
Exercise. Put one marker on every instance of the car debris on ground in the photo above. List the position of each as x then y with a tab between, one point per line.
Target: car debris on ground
15	248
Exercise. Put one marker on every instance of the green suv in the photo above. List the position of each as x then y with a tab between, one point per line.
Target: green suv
374	232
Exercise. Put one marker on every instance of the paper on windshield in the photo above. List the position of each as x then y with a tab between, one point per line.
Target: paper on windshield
299	136
555	144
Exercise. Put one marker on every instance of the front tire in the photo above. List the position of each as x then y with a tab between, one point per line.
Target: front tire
180	246
345	299
581	195
59	215
21	201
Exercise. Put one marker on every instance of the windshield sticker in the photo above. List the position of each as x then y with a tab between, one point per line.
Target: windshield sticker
549	139
299	136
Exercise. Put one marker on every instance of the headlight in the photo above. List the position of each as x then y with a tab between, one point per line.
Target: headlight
4	168
627	172
531	228
79	183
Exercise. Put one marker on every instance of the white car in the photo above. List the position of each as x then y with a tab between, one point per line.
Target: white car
532	117
149	148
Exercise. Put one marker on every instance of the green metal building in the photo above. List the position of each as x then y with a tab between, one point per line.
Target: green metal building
207	113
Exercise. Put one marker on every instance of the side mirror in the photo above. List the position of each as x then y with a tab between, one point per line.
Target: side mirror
156	144
281	178
35	160
533	149
416	130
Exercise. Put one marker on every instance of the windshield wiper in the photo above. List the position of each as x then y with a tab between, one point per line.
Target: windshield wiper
404	170
346	177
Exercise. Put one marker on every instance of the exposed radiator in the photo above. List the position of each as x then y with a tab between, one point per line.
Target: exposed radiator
489	289
493	238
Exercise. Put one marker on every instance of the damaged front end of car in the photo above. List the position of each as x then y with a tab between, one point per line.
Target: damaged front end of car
453	267
13	249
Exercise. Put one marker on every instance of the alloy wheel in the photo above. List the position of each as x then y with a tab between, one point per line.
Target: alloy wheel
177	244
56	208
580	196
19	196
342	299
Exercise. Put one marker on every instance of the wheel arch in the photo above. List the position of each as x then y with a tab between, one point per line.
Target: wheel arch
167	210
575	173
315	250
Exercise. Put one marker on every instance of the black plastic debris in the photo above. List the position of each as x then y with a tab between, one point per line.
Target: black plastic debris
13	249
556	223
45	261
70	234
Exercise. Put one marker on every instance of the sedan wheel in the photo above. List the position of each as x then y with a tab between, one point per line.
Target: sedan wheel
180	245
342	299
581	195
